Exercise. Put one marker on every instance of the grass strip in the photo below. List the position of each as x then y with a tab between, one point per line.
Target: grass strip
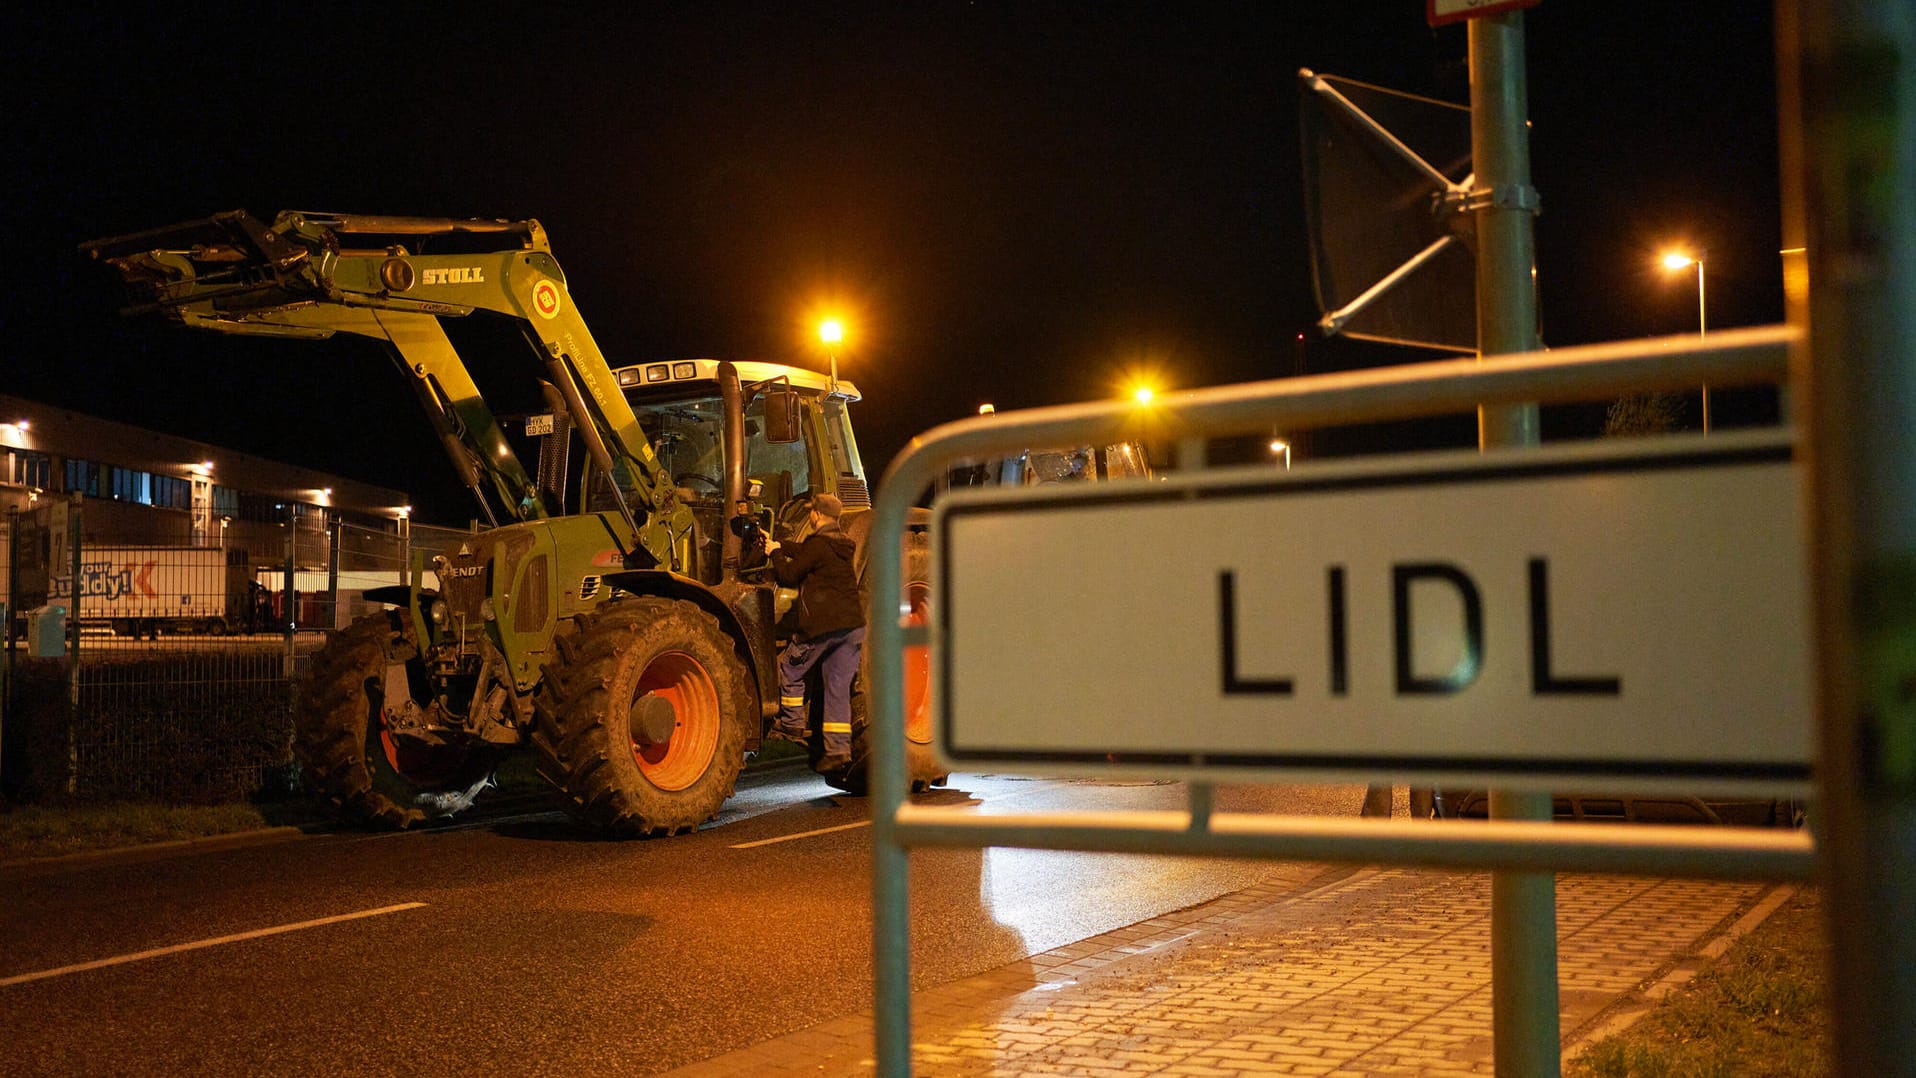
31	831
1760	1010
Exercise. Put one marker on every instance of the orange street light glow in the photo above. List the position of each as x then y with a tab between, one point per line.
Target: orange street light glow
1142	394
1677	260
831	331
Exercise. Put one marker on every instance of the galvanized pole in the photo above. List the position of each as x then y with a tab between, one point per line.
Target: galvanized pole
1702	330
76	553
1504	207
891	861
289	613
1523	905
332	574
7	611
1850	181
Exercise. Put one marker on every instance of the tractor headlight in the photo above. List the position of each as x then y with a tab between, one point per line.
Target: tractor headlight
437	612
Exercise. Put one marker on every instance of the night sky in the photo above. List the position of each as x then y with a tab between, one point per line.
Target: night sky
1019	202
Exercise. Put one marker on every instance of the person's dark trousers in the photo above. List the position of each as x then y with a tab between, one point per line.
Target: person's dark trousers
836	657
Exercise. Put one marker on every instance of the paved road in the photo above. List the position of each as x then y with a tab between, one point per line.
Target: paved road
522	946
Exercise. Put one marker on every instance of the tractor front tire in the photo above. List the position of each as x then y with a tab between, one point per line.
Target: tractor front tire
346	754
632	671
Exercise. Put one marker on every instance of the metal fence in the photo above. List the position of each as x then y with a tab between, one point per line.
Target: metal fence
167	669
1737	357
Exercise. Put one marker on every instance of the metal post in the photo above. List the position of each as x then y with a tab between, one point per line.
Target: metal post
1523	905
1852	66
1504	208
76	552
7	611
289	596
1193	453
1702	330
891	884
332	573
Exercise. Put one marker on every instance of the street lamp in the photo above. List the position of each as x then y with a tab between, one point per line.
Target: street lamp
1676	260
1279	445
831	332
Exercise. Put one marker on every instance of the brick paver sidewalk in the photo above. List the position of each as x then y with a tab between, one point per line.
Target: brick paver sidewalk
1377	971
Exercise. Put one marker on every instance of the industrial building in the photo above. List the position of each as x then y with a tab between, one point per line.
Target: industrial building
140	488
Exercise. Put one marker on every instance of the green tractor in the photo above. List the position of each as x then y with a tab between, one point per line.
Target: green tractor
606	618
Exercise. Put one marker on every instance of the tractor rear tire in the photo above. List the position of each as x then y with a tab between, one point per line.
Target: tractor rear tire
921	767
607	678
339	735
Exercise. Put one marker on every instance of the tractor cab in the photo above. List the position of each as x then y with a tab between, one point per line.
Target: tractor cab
1070	464
797	439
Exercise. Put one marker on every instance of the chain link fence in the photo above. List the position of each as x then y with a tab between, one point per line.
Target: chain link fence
167	670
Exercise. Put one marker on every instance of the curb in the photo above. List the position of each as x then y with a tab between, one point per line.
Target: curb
1638	1004
504	805
141	851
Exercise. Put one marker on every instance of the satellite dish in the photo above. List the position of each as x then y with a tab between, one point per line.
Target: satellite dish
1386	180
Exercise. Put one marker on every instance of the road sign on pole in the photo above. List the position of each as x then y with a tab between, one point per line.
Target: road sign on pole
1627	619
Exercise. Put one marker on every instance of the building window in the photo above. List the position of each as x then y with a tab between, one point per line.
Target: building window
83	477
130	485
28	469
172	492
36	470
261	507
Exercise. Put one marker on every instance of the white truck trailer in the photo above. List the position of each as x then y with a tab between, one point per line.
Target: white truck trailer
144	590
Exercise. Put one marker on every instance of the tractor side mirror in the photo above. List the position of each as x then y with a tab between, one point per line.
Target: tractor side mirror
781	416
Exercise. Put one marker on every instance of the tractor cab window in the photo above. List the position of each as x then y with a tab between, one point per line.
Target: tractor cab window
1059	465
688	437
1126	460
598	490
844	448
781	470
1123	460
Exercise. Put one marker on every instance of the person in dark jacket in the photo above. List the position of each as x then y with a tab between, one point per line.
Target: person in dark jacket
829	635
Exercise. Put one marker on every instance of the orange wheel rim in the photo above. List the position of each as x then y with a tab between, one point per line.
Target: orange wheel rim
680	680
918	668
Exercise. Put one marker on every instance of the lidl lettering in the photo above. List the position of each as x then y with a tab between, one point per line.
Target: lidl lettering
1545	679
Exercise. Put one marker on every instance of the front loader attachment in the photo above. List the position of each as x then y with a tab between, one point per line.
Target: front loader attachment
234	267
228	262
297	278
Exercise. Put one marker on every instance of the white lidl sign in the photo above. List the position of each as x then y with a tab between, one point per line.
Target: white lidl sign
1547	619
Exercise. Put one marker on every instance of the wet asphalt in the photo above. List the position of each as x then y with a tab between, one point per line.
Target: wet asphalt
519	944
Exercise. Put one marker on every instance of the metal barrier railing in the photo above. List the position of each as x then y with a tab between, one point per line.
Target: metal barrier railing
1595	372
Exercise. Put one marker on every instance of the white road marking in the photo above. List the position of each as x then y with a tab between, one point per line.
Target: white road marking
197	944
802	834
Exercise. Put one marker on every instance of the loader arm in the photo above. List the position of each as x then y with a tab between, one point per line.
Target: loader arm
314	275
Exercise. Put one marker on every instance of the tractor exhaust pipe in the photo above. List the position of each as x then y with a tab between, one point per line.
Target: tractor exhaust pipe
731	399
